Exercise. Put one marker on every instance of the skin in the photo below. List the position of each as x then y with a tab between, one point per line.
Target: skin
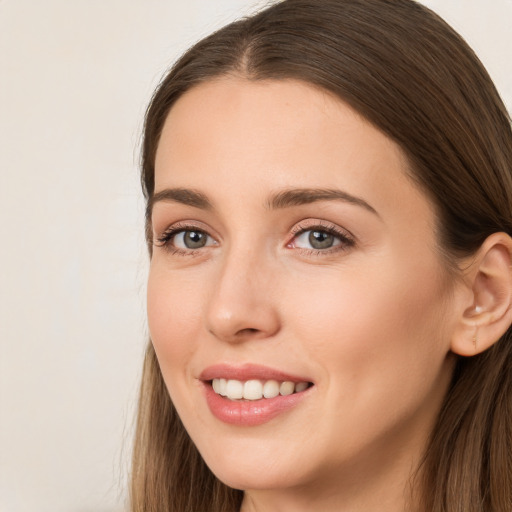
369	322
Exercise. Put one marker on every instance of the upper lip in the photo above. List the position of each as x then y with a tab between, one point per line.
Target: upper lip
248	372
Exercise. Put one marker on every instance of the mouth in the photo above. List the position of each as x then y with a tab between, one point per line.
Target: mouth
254	389
251	395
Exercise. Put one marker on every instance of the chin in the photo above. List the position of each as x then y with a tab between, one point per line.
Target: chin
258	469
255	479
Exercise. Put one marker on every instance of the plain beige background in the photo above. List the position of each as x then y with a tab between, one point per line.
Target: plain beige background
75	77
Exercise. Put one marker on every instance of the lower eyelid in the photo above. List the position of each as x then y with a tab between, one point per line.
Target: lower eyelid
342	239
166	241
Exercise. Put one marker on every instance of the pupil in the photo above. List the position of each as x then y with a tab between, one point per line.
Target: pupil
321	239
194	239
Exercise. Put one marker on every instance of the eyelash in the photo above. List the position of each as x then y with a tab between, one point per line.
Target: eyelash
346	240
166	238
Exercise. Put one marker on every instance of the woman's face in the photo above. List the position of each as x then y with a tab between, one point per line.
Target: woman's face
291	247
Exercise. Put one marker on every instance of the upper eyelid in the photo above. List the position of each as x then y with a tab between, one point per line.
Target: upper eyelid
166	239
322	225
185	225
298	228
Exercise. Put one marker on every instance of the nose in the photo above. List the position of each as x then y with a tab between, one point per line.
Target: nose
242	304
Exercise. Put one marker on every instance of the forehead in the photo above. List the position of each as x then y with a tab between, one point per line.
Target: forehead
236	136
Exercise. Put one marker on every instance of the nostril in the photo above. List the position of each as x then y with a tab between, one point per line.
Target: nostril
249	330
246	332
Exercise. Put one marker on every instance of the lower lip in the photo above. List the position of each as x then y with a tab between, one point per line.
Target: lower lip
249	413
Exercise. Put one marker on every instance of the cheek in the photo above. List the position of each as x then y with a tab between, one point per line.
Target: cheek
367	325
377	341
173	319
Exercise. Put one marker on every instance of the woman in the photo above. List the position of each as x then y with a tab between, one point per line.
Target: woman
329	210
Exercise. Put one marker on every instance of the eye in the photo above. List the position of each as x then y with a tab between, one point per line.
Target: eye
320	238
316	239
191	239
185	240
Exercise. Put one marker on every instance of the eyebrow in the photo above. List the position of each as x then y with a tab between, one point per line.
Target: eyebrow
184	196
279	200
300	196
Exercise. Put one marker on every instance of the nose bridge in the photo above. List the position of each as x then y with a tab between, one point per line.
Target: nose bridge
240	305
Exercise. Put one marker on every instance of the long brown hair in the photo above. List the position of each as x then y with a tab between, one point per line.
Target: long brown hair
413	77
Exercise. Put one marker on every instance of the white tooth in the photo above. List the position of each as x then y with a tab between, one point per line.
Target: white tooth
287	388
215	385
234	389
271	389
222	387
301	386
253	390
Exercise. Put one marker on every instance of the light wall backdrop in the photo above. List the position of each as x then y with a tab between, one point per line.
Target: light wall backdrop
75	77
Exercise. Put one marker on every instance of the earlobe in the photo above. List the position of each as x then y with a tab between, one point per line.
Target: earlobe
490	315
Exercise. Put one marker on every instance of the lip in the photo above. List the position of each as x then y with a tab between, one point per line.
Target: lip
248	372
249	413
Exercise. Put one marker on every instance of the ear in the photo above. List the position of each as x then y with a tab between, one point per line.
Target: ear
489	281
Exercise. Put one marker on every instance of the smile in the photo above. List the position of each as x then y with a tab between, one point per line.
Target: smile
256	389
252	395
